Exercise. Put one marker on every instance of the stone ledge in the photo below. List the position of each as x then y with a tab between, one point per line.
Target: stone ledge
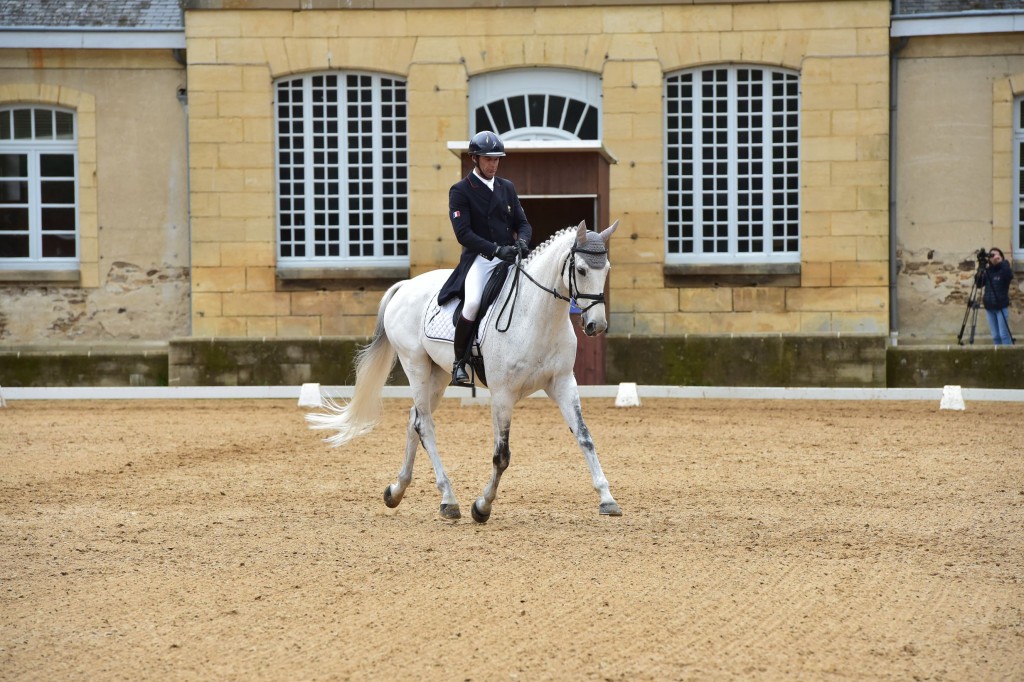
741	360
65	366
731	274
335	279
41	276
837	360
966	366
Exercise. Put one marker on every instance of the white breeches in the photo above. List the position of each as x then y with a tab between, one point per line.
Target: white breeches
476	279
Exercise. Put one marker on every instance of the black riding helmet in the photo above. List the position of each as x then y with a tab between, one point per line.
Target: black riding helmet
486	143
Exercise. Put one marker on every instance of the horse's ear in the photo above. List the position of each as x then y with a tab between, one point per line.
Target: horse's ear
607	233
581	234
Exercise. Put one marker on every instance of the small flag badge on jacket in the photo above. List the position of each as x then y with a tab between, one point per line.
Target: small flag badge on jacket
456	214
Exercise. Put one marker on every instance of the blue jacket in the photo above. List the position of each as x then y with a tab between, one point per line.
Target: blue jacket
996	280
483	220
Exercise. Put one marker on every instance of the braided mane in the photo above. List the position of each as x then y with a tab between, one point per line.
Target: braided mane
547	242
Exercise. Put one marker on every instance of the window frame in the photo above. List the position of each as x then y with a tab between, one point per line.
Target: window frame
732	256
34	148
537	103
1017	226
340	204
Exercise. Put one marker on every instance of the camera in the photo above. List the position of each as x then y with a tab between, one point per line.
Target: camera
982	257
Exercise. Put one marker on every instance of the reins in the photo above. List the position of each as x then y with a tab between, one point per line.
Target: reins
574	292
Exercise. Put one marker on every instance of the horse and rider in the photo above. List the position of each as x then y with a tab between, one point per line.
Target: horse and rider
533	349
491	226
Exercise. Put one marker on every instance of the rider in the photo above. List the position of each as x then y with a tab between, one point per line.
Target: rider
490	224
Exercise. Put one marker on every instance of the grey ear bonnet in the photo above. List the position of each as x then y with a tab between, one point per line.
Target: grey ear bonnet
594	253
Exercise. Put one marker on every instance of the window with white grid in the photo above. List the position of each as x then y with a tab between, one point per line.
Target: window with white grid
732	165
38	188
342	170
1017	238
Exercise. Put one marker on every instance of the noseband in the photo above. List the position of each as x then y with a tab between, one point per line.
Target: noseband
574	291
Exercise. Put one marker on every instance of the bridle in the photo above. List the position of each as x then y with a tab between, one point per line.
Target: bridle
574	293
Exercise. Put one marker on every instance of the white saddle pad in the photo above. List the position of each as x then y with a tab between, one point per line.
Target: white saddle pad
438	325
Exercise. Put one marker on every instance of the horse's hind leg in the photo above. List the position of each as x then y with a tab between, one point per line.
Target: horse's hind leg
566	394
426	396
394	493
501	416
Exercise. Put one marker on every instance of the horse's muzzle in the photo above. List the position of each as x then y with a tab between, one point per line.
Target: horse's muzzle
594	328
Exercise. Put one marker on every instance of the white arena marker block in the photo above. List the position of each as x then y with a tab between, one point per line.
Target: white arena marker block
3	403
627	396
952	398
309	396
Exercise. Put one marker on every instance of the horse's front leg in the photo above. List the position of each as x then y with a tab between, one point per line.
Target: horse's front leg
565	393
501	415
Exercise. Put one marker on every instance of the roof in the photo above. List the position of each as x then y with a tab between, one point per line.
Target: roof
908	7
955	17
95	24
154	15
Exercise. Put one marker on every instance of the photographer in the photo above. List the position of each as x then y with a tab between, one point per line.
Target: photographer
994	273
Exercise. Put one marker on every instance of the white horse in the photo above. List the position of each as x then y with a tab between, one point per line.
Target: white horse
536	351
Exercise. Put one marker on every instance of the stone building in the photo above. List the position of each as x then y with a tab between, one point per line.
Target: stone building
958	79
783	187
94	243
302	151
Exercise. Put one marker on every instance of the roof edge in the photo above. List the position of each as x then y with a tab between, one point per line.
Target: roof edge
963	23
97	38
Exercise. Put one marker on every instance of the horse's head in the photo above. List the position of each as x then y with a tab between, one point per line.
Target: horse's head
585	274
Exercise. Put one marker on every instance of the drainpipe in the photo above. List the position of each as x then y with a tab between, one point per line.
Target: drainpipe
181	57
894	318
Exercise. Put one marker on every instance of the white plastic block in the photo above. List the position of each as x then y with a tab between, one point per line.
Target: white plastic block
627	396
952	398
309	396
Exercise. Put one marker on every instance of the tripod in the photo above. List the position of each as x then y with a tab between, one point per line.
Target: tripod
972	305
1006	321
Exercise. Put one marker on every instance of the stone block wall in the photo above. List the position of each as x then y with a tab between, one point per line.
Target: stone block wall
967	366
820	360
265	362
45	366
954	179
855	360
132	280
840	49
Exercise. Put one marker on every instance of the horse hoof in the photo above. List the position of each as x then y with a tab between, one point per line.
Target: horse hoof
478	515
390	501
450	511
610	509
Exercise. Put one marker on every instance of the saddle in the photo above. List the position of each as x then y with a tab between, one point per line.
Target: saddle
439	320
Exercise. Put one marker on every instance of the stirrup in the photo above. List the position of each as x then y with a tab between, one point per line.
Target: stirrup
460	377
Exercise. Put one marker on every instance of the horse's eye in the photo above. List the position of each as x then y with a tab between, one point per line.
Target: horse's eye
581	271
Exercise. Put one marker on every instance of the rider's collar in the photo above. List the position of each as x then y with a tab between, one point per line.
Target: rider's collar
489	183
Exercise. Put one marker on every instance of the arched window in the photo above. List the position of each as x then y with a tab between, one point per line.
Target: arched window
342	169
537	104
38	188
732	173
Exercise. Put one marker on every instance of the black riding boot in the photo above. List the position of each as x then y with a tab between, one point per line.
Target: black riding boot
463	330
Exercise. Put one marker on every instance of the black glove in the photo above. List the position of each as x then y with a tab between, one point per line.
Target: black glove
506	253
523	247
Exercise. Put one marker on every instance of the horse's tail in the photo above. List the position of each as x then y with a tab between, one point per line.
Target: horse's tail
373	365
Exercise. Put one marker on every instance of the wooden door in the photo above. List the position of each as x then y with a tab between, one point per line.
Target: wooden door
558	189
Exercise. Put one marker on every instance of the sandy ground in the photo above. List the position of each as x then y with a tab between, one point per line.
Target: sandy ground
770	540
